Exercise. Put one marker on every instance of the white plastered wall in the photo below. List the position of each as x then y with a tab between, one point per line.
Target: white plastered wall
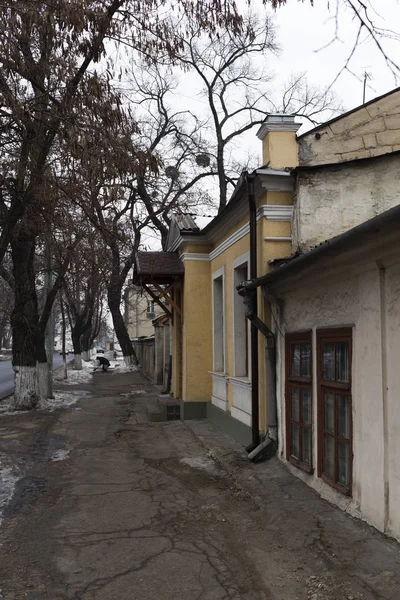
356	302
330	202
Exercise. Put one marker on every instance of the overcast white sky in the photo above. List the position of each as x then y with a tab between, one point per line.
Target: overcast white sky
303	31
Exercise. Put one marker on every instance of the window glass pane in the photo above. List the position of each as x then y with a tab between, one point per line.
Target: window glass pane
306	406
329	412
295	360
328	359
295	404
329	455
343	416
344	464
295	440
342	361
306	360
306	438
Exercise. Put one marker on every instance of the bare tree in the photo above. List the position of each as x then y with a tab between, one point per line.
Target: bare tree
84	291
176	137
47	80
237	87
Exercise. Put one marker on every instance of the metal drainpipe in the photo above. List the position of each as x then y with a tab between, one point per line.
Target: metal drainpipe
255	425
269	445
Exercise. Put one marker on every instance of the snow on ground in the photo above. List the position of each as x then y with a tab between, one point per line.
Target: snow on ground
8	479
64	399
122	368
85	375
7	407
61	454
127	394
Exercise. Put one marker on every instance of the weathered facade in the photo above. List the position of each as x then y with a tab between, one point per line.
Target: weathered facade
348	171
337	315
326	221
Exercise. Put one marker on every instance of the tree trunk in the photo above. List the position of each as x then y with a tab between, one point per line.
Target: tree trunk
63	334
85	343
114	303
76	335
24	320
42	367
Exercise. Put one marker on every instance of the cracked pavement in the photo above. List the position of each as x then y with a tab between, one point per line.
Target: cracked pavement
138	510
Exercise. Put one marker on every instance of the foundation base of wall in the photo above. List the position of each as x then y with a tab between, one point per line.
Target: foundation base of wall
193	410
224	421
168	409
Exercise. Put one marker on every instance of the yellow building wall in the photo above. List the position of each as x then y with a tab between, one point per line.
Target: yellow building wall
197	332
280	150
176	374
266	251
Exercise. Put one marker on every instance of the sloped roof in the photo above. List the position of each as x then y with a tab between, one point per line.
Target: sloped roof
186	222
158	265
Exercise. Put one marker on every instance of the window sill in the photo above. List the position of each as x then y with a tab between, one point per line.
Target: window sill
244	382
337	486
296	463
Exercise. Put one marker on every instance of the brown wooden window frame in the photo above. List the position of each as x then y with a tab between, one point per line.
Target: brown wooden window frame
336	388
302	383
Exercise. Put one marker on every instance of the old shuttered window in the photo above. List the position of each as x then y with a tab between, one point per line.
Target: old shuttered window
299	400
334	407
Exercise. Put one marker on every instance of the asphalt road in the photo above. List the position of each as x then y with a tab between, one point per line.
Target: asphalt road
7	375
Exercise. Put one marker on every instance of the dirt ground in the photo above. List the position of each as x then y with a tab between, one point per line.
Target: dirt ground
110	506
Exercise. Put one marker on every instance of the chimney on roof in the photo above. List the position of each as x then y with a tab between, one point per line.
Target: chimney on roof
278	135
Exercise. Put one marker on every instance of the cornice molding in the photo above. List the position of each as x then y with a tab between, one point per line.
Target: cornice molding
267	127
194	256
276	212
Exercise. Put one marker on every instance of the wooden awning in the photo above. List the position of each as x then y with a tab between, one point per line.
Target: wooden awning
159	267
157	273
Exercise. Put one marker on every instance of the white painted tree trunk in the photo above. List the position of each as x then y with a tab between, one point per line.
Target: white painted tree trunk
43	382
25	388
86	355
78	362
129	360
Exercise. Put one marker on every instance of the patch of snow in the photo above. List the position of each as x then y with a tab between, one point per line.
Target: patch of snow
7	407
58	455
64	399
131	369
8	479
127	394
200	462
84	375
